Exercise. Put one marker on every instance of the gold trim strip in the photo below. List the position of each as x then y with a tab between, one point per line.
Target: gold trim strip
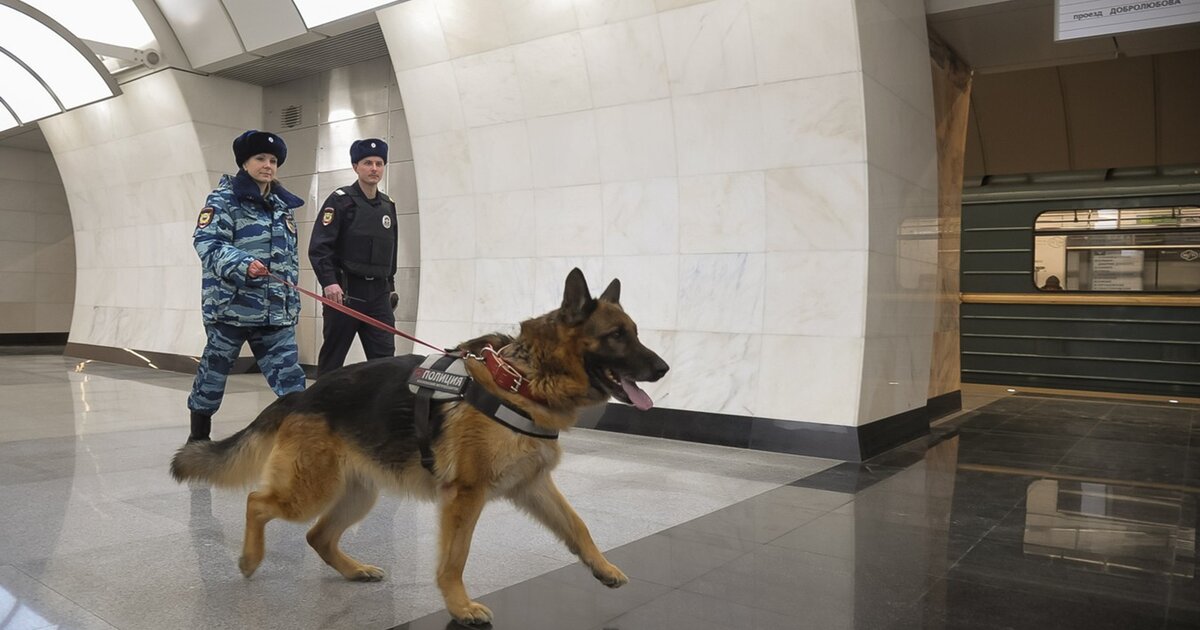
1091	299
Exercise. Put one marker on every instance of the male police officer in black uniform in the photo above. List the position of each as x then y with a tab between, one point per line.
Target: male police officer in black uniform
353	252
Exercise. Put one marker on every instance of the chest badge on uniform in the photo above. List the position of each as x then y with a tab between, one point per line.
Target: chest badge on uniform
205	218
387	222
291	224
327	216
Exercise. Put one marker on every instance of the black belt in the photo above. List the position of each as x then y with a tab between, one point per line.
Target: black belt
358	277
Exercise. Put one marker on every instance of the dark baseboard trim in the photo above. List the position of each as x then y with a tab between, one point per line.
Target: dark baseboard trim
33	339
781	436
944	404
160	360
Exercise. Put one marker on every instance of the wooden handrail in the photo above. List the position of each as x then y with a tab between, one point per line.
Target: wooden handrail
1089	299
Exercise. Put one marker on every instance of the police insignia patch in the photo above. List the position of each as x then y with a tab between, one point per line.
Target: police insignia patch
387	222
327	216
205	217
291	224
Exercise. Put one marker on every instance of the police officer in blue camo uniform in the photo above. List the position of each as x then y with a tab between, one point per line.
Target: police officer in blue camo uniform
353	253
245	231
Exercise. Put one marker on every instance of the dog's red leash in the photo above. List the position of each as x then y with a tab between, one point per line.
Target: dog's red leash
503	374
355	314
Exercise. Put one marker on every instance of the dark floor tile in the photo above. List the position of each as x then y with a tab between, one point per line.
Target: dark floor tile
847	477
1050	562
1003	459
1003	488
566	598
1126	471
1125	461
1048	425
1060	408
807	498
1142	432
1191	472
681	610
1101	450
1172	415
675	557
968	515
755	520
1184	604
954	603
1012	405
824	591
978	421
1022	443
931	550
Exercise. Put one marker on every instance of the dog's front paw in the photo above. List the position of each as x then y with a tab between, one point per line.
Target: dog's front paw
472	613
366	573
248	564
610	575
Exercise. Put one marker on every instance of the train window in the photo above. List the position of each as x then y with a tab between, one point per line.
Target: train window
1119	249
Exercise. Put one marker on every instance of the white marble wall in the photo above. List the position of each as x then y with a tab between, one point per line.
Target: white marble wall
136	169
37	248
742	165
902	263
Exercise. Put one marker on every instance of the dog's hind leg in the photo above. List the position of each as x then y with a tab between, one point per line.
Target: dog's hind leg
461	506
303	475
356	501
542	499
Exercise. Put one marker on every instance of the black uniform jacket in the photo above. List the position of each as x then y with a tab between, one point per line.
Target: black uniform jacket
340	246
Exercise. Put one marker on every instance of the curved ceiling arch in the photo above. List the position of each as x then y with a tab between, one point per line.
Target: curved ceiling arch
44	68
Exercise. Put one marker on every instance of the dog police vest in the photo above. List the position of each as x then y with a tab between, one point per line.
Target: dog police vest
444	377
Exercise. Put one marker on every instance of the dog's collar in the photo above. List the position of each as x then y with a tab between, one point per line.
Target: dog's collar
506	376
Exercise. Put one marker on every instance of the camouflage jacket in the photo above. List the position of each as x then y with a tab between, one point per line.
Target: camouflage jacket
236	227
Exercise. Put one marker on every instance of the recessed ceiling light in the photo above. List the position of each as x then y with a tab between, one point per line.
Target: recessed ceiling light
1010	390
1173	401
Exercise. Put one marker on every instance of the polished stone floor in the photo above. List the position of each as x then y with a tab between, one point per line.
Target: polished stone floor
1029	511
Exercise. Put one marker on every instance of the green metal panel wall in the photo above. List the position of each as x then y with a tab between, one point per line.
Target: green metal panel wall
1139	349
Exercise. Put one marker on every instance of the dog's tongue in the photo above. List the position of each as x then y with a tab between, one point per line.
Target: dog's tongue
639	398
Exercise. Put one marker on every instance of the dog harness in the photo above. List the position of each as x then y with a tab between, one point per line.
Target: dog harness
444	377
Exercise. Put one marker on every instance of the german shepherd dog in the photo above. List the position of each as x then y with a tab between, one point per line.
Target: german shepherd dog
327	452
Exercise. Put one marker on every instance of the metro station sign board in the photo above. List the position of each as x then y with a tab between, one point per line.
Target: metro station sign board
1075	19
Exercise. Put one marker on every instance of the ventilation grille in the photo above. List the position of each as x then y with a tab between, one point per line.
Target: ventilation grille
290	116
362	44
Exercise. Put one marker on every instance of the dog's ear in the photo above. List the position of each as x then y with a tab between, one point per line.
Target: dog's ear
577	302
612	293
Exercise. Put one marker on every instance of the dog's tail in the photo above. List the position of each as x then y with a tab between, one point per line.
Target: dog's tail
238	459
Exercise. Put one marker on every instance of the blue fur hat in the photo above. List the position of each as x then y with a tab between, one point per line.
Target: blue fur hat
253	142
368	147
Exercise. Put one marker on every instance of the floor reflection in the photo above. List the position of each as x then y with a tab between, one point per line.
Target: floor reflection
1029	512
1113	527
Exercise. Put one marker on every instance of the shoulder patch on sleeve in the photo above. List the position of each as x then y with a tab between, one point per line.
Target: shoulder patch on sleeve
205	217
338	191
327	216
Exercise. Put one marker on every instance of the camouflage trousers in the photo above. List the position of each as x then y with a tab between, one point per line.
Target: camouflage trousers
274	347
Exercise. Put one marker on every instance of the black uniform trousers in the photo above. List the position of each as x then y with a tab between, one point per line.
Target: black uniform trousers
371	298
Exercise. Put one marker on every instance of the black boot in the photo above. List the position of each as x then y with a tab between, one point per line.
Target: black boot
201	425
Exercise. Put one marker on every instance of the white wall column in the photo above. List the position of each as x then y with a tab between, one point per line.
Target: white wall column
744	166
136	169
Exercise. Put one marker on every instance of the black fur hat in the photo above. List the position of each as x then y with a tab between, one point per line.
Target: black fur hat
253	142
368	147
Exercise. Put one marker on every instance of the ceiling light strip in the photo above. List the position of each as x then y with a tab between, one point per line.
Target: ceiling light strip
35	75
74	42
13	115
